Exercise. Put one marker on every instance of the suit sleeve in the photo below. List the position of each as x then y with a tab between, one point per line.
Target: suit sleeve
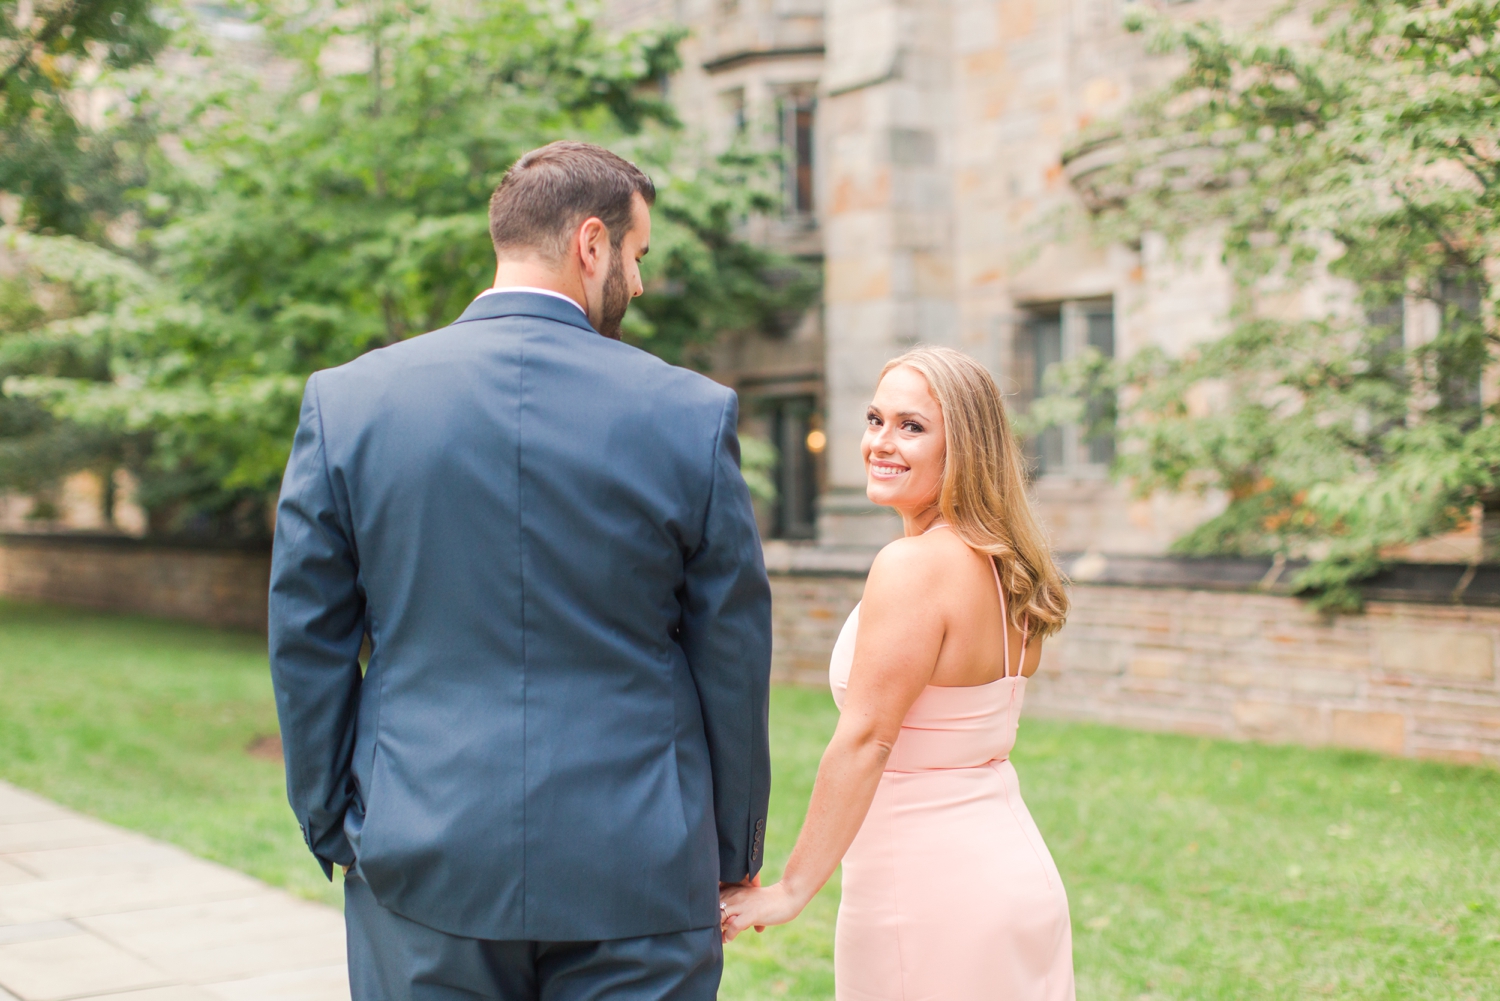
726	635
316	625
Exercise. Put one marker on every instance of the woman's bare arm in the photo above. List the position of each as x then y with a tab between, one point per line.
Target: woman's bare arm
901	629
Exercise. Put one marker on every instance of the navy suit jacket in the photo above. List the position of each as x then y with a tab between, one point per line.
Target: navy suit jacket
561	731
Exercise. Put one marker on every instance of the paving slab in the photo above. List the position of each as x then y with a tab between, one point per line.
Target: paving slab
304	985
124	892
13	874
18	806
157	994
132	854
92	911
73	966
33	835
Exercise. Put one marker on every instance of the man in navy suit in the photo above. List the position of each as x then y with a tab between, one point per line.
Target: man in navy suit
557	752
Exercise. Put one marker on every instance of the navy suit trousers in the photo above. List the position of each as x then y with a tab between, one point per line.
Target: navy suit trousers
392	958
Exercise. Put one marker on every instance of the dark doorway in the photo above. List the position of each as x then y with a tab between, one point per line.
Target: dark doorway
794	430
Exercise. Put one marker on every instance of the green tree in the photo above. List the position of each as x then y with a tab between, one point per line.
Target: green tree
1365	162
70	174
69	159
45	292
348	212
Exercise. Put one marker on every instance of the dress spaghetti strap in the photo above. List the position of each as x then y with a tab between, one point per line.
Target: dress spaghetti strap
1004	612
1005	622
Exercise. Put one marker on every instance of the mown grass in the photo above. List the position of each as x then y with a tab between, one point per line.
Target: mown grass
146	724
1196	869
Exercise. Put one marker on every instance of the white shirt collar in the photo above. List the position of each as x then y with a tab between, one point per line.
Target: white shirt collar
539	291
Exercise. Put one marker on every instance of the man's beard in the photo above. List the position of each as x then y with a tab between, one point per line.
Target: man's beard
615	299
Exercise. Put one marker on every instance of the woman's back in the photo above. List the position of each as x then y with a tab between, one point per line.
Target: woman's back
967	716
949	890
978	642
947	726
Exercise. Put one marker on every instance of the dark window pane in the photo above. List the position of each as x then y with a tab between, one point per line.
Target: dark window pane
1387	321
796	471
733	102
1046	335
1102	332
1099	433
1388	318
1049	451
797	152
804	154
1462	348
1047	350
1102	448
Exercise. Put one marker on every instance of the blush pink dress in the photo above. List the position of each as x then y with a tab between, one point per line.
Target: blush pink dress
949	893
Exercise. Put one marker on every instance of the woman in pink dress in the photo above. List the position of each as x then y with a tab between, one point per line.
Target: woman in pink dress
949	893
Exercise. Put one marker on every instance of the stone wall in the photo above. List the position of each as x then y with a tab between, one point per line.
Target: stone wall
807	614
1188	646
1405	678
219	587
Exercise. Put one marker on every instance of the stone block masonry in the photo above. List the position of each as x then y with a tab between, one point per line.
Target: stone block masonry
1181	645
1409	678
807	614
215	586
1403	678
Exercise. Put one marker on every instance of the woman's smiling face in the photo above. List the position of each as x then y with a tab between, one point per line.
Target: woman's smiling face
903	444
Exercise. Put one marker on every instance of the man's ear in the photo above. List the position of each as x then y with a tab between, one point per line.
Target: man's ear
592	239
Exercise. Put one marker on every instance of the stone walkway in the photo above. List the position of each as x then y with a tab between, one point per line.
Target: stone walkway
88	910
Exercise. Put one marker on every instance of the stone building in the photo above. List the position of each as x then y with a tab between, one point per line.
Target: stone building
923	143
751	75
941	159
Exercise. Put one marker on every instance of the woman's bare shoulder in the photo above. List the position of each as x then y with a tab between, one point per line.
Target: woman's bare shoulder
912	562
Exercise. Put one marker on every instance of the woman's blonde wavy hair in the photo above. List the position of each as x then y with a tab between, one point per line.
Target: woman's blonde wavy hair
984	494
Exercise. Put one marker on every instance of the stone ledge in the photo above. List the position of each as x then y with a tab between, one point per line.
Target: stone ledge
793	560
115	541
743	56
1423	583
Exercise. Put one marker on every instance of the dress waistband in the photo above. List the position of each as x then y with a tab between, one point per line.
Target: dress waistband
946	768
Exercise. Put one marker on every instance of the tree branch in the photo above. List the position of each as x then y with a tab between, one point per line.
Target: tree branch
60	19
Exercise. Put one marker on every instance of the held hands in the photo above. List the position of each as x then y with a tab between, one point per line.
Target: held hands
752	906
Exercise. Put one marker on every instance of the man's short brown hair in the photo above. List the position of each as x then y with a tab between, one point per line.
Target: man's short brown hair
547	193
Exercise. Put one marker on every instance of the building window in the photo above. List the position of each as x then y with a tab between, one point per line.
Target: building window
1460	308
1448	316
732	103
795	428
1057	333
797	109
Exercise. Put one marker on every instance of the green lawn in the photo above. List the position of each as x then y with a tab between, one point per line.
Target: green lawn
1196	869
146	724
